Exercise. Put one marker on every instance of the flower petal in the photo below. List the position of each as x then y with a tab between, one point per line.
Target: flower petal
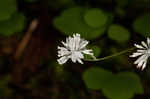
83	44
142	58
144	65
148	41
144	44
89	52
79	60
135	54
63	60
139	46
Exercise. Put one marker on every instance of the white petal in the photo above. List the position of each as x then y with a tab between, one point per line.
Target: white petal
76	55
137	66
74	58
138	46
62	60
62	51
140	63
78	35
65	44
62	48
70	41
141	51
77	42
80	55
67	41
88	52
142	58
135	54
83	44
148	41
79	60
144	44
144	65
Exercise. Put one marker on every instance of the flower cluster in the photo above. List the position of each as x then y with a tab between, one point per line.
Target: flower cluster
73	49
144	53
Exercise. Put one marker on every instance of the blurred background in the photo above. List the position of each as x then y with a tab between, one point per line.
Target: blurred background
31	30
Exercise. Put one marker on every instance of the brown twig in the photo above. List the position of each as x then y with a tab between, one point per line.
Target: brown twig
26	39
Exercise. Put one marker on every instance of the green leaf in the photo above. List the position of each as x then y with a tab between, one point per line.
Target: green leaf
118	33
71	21
122	3
95	18
120	11
4	90
31	1
95	78
15	24
123	86
141	25
7	8
114	86
57	4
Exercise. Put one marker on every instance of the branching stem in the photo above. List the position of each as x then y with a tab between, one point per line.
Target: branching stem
111	56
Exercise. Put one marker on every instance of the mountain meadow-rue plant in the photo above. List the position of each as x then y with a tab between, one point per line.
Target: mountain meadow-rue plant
75	47
123	85
94	58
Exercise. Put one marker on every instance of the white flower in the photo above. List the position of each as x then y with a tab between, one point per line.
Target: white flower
144	53
74	48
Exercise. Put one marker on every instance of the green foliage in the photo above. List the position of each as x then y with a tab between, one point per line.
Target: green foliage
120	11
15	24
141	3
95	78
7	8
114	86
57	4
95	18
122	3
4	90
118	33
96	50
141	25
65	2
31	1
72	21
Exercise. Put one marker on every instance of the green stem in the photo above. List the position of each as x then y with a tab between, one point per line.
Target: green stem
114	55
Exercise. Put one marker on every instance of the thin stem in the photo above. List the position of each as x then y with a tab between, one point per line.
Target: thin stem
114	55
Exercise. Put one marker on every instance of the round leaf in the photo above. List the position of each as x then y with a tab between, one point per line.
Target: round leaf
95	78
71	21
118	33
123	86
7	8
114	86
141	25
15	24
95	18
